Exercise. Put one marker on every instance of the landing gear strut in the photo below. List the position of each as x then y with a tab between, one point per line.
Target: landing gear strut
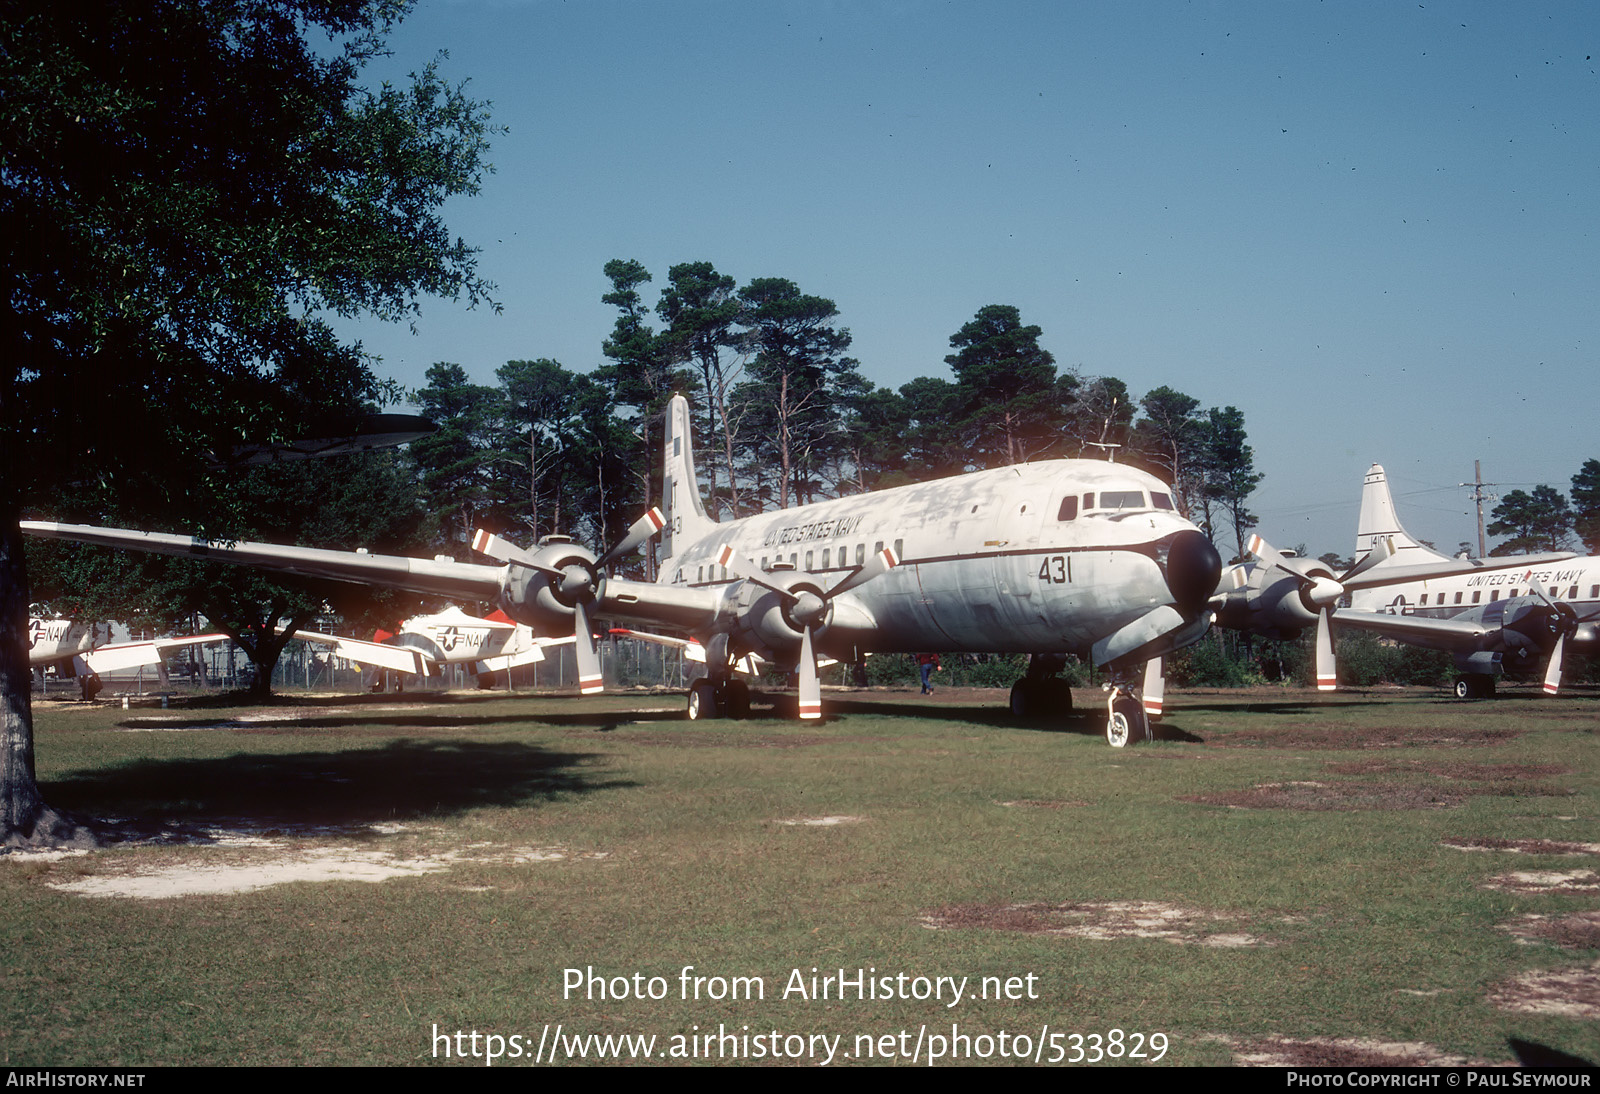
1042	693
1126	720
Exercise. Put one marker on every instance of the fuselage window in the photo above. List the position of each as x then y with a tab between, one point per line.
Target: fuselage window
1088	501
763	562
877	547
1160	501
861	554
1594	592
1424	599
809	560
1458	598
1572	593
1069	509
1494	594
1476	595
1512	594
900	549
826	553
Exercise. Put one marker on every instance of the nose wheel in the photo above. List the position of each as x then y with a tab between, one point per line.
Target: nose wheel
1126	722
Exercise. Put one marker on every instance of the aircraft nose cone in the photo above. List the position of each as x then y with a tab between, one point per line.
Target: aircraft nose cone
1193	568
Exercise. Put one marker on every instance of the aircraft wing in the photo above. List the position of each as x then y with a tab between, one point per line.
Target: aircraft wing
128	655
1439	634
462	580
749	664
398	658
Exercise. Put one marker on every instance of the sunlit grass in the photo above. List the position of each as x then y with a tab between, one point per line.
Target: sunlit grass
683	845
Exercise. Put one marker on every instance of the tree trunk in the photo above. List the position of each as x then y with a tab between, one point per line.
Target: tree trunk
26	820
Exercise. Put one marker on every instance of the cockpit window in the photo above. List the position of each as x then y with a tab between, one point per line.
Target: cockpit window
1069	508
1122	499
1160	501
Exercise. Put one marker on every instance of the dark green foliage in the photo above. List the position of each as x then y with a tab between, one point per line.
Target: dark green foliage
1537	521
1365	660
1008	404
1586	505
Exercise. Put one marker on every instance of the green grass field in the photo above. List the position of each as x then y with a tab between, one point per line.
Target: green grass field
1284	877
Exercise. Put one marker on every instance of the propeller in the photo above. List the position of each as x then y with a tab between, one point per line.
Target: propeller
1320	594
1561	625
1155	686
575	583
807	611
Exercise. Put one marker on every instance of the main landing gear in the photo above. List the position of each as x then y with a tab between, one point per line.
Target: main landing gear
1475	685
1041	693
718	699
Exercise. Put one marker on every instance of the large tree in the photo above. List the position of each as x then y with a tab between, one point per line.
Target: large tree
185	187
1534	521
701	310
1009	404
797	357
1586	505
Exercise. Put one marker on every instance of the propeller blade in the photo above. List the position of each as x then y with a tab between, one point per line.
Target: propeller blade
810	686
487	543
741	567
1327	667
1381	551
880	563
1155	685
590	679
639	531
1552	675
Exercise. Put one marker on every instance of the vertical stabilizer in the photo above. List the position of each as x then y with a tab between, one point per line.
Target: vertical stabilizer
1379	522
686	516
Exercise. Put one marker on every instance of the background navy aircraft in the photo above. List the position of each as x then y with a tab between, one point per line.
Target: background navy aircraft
1054	558
1532	609
89	651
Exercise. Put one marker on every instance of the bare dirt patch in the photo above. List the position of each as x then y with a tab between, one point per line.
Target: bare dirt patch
1569	992
1318	736
243	863
1546	881
822	822
1578	931
1101	921
1043	803
1524	846
1345	796
1339	1052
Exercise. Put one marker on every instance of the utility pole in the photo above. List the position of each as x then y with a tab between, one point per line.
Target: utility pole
1480	497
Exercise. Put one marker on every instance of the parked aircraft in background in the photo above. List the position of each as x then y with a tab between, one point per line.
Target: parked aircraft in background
1529	610
89	651
426	642
1058	558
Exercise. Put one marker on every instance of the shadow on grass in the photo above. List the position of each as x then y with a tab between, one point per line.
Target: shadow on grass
401	781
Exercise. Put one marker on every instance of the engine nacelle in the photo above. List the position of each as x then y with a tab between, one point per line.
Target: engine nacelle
771	621
1276	604
543	592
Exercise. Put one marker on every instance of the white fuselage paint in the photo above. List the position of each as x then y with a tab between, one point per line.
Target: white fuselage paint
986	563
1575	582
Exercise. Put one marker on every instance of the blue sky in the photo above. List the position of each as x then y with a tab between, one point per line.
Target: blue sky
1370	226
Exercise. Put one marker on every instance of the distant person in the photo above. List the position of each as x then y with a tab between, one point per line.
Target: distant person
928	664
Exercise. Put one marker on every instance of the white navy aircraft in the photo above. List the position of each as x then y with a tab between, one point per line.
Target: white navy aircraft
88	651
451	637
1057	558
1531	609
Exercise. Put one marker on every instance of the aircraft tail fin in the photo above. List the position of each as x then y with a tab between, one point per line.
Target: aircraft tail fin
1379	522
680	491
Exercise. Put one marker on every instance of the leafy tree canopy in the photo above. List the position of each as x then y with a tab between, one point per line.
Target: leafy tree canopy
1537	521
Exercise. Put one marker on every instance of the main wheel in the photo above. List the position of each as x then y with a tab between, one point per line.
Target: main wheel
1126	723
1023	698
1464	687
702	700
